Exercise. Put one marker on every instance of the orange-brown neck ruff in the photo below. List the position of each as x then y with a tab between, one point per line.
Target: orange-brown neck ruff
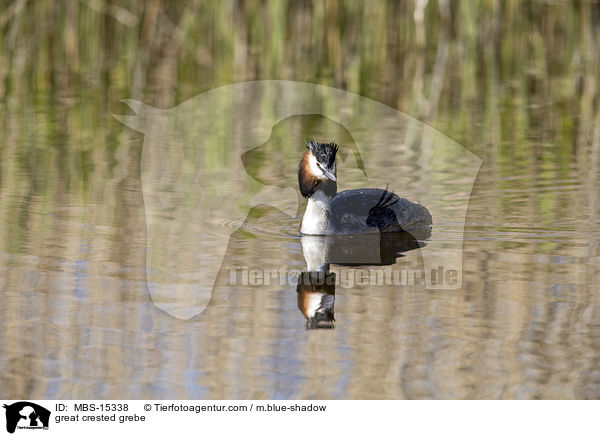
306	179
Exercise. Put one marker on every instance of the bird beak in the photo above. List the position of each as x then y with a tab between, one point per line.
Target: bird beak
329	173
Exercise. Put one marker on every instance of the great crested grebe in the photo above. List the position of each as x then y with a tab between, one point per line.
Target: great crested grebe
354	211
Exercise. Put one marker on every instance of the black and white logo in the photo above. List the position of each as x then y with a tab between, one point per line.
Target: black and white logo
26	415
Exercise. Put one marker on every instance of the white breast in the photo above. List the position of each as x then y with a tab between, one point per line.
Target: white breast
316	220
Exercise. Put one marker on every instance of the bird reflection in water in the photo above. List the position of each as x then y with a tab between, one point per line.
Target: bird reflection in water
316	298
316	286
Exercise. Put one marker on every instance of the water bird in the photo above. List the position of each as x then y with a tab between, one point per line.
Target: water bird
353	211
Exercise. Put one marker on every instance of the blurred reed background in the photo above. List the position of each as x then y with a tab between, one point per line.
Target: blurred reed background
493	75
516	82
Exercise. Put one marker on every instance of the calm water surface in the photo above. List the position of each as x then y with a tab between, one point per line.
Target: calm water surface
77	317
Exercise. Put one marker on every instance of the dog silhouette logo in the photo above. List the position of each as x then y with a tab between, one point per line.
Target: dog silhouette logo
26	415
